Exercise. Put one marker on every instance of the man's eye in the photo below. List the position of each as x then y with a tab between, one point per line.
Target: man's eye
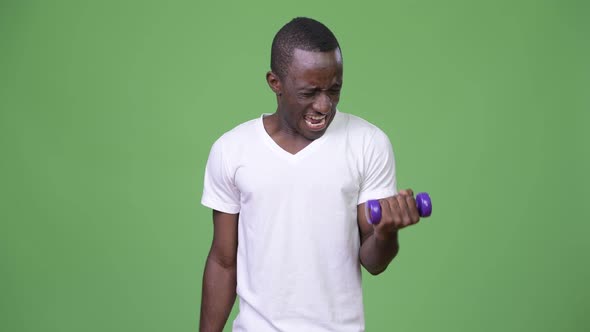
307	94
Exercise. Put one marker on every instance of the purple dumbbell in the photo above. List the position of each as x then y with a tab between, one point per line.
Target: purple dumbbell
373	208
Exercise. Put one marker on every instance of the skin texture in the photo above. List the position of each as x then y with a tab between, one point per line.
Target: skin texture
311	87
379	243
219	278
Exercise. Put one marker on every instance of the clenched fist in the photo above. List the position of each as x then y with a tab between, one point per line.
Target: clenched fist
397	212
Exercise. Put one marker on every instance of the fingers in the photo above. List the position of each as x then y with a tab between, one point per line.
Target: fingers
398	211
389	218
407	192
404	213
413	213
386	210
412	209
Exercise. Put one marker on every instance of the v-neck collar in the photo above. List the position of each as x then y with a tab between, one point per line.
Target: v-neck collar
278	150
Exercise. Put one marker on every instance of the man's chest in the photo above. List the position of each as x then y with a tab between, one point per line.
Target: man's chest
332	172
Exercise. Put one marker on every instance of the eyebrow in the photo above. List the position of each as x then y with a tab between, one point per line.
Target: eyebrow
314	88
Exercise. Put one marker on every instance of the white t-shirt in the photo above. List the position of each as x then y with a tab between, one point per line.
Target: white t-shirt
298	263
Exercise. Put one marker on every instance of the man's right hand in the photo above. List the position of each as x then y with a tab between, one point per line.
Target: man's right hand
219	278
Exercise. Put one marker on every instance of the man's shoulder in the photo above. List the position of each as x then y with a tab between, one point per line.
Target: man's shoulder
356	121
241	133
355	125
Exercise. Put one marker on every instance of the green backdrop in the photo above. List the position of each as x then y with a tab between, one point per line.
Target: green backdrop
109	108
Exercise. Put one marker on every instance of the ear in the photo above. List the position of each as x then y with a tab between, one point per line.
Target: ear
274	83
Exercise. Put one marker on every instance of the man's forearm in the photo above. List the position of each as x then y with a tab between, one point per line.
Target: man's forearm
219	294
378	251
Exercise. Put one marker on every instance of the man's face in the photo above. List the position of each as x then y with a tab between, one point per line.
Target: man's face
310	92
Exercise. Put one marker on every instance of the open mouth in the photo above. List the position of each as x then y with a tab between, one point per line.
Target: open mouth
316	122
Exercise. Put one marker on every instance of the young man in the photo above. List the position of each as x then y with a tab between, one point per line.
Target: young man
287	191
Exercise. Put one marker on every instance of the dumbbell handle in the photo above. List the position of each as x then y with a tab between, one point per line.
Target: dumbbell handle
373	208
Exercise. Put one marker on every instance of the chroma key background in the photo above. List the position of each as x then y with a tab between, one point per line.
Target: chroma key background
108	110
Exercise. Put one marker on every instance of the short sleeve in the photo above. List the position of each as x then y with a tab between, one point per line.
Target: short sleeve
378	179
219	190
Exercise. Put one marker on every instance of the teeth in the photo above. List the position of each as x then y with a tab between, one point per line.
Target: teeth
316	125
315	117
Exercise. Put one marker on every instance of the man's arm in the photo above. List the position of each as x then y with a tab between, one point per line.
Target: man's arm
379	244
219	278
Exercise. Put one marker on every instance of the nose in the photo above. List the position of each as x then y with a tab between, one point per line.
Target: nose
323	103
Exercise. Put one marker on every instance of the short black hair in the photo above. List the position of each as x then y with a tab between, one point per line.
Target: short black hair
303	33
